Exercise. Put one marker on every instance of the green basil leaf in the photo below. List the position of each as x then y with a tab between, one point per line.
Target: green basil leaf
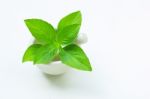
73	18
74	56
68	34
45	54
41	30
30	52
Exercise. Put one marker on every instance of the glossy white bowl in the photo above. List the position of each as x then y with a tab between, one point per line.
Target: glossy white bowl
57	67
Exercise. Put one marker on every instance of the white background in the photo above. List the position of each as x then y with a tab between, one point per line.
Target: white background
118	48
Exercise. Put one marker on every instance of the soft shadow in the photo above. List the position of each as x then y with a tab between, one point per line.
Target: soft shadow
60	81
66	81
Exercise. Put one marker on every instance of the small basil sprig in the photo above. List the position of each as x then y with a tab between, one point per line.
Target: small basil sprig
59	42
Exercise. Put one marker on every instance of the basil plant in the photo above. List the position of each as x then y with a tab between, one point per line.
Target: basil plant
60	42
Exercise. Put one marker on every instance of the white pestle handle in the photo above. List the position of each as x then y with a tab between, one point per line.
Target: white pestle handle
82	38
